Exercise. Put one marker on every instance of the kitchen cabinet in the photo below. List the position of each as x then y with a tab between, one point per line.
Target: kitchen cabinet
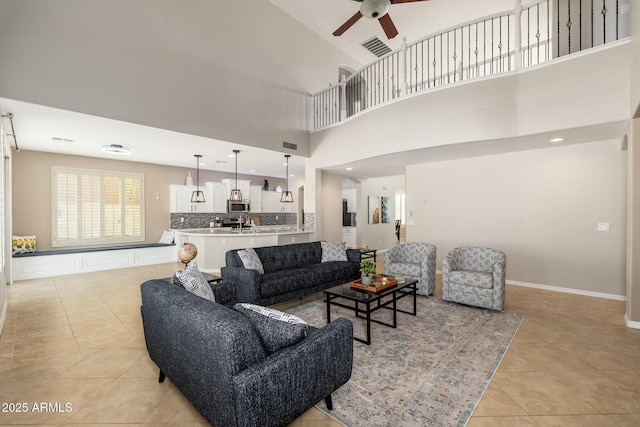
271	202
349	236
180	199
255	198
220	196
243	185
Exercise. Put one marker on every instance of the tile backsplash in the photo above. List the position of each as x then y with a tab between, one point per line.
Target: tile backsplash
202	220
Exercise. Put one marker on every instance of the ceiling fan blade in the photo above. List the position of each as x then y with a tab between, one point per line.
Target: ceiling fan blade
344	27
405	1
388	26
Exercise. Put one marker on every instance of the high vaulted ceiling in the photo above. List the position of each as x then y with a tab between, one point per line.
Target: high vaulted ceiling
413	20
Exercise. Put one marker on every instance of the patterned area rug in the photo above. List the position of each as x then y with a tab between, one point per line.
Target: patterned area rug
430	371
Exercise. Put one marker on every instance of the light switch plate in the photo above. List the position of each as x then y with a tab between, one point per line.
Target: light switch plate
603	226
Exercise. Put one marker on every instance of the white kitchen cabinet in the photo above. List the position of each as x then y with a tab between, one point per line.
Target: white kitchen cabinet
255	198
244	186
180	199
270	201
349	236
220	196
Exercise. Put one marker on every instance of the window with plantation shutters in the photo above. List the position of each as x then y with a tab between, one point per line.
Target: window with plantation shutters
96	207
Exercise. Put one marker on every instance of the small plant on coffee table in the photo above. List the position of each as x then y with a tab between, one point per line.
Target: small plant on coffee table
368	269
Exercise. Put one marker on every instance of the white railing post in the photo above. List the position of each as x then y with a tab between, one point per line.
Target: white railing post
517	18
343	98
404	87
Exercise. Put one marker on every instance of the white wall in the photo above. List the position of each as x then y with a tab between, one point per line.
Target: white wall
6	234
230	70
541	207
330	208
378	236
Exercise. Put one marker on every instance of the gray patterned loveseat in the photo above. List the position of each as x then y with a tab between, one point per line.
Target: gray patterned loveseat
218	358
290	271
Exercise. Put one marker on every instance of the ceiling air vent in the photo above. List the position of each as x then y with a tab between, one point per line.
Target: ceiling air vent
289	145
376	46
58	139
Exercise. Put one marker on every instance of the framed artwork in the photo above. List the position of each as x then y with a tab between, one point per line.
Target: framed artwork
374	210
385	210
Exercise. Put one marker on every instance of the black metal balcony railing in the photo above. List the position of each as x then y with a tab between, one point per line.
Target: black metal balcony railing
523	37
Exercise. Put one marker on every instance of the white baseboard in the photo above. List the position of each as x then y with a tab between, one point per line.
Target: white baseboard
631	323
568	290
564	290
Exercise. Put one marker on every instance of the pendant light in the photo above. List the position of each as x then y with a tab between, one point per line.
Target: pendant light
236	194
287	196
197	196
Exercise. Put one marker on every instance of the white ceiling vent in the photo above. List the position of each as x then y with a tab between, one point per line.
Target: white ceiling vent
58	139
376	46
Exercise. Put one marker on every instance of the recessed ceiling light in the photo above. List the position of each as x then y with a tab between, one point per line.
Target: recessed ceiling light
115	149
556	140
349	169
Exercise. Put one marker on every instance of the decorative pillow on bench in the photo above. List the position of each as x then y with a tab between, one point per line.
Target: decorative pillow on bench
277	329
24	244
250	259
191	279
333	251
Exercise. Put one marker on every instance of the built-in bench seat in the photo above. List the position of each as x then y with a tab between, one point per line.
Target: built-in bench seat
99	249
80	260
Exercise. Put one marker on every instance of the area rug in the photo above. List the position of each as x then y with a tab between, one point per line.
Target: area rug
430	371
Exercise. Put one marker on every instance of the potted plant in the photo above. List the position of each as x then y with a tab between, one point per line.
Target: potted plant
368	269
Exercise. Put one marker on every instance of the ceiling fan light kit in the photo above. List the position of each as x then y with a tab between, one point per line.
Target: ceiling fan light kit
374	9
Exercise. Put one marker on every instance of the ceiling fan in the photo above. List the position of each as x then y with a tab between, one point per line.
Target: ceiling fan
374	9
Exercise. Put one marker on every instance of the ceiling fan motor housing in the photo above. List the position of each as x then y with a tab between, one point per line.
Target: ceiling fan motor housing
374	9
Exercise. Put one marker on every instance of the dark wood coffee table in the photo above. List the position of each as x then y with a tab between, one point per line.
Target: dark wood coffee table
363	303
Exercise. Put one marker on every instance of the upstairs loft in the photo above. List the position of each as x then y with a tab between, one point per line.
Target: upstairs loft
522	38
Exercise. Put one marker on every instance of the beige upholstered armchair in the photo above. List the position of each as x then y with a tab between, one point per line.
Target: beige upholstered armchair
414	260
474	276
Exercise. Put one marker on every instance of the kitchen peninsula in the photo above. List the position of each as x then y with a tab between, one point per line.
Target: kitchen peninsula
213	243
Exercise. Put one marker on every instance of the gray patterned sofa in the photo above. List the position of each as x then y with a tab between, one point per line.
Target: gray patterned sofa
217	358
290	272
415	260
474	276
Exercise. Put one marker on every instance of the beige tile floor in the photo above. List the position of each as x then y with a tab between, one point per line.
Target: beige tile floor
78	340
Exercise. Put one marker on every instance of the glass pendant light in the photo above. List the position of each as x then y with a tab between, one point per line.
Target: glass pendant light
236	194
287	196
197	196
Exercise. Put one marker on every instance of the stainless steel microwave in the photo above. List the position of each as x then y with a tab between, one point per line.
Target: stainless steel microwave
234	206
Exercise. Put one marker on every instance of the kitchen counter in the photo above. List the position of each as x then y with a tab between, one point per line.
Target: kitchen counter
213	243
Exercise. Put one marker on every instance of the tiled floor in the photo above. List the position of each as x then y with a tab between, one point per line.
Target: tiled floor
78	340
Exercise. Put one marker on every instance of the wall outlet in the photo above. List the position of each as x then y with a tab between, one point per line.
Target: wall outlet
181	219
603	226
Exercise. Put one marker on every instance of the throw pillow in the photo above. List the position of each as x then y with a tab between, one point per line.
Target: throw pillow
191	279
333	251
167	237
250	259
24	244
277	330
